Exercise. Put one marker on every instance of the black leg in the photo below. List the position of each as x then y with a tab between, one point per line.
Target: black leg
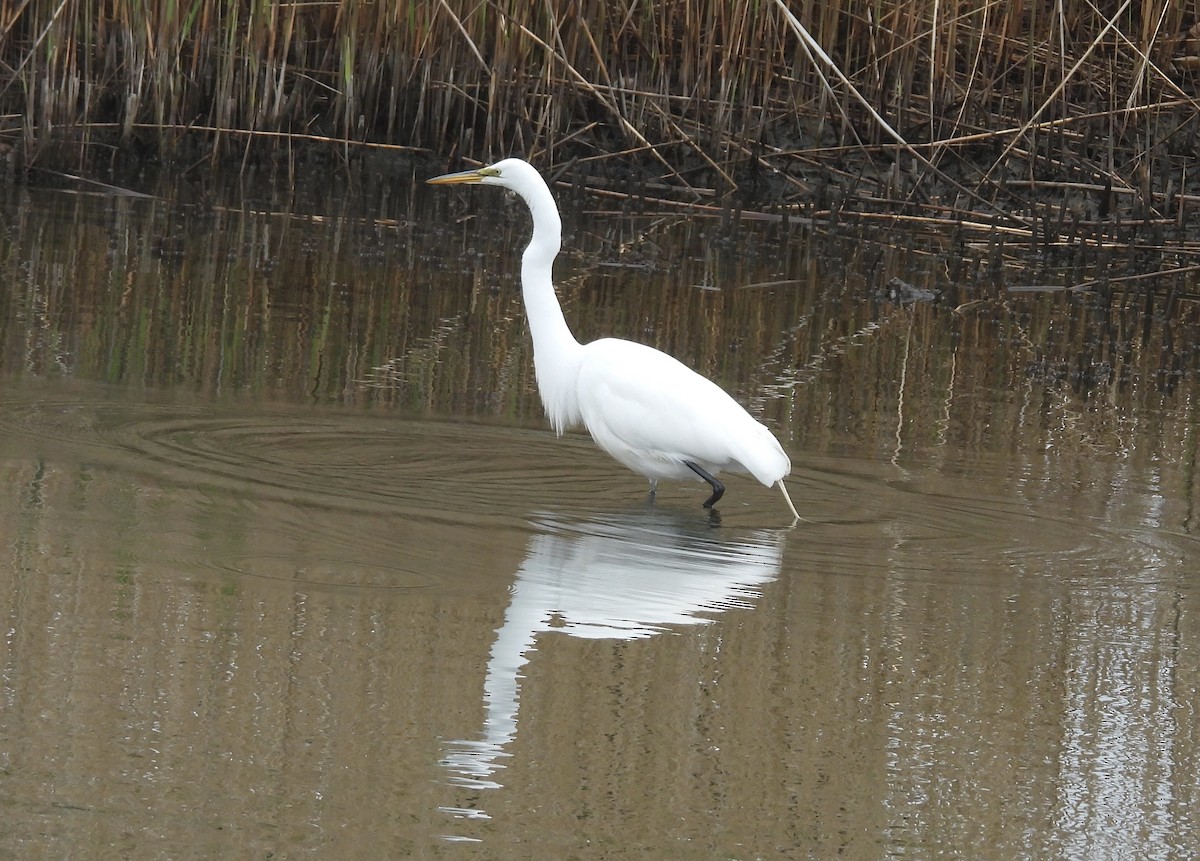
717	487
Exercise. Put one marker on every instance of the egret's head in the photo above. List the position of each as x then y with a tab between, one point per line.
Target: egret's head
521	177
511	173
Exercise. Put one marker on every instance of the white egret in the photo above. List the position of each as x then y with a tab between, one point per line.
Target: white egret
646	409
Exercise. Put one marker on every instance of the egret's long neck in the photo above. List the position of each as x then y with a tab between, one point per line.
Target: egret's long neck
546	321
555	350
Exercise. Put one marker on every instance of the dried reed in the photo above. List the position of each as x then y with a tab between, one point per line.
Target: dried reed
968	107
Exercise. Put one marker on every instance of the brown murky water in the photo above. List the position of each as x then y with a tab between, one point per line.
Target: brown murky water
293	568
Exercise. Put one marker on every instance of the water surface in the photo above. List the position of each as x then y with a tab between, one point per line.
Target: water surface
295	569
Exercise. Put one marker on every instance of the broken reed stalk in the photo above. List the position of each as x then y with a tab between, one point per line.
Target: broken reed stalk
912	101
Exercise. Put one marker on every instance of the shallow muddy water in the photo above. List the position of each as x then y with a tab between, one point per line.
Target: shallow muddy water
294	568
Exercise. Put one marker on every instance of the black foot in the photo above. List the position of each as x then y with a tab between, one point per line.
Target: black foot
718	489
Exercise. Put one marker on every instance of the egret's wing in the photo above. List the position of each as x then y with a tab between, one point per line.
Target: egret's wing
639	398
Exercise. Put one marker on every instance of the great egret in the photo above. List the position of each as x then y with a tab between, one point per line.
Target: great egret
648	410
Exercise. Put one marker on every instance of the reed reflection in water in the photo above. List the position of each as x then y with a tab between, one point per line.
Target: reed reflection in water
272	467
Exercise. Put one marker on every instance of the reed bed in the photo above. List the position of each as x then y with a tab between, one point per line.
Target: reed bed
1031	115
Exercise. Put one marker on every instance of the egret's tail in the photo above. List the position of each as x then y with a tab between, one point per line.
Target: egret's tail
788	499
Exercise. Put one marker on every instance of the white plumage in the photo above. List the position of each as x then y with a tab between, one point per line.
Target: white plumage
646	409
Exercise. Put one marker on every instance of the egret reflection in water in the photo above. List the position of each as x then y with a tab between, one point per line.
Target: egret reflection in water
620	576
